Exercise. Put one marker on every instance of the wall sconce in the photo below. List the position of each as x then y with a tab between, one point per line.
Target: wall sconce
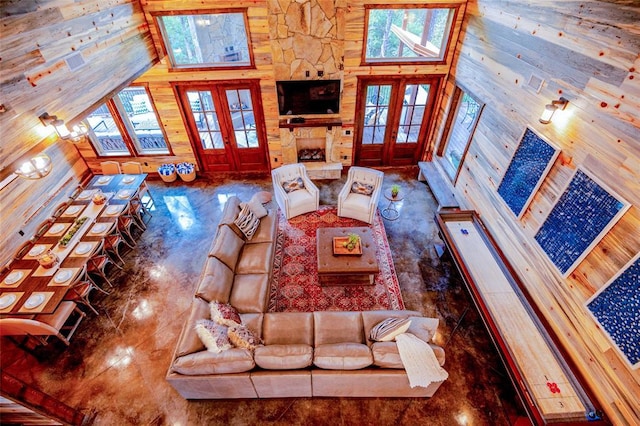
58	124
36	168
550	109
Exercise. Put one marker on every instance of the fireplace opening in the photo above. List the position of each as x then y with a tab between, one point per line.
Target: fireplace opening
311	149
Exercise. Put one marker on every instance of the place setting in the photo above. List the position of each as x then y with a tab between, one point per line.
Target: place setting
100	228
124	194
104	180
63	277
113	210
37	250
73	210
83	249
14	278
57	229
8	300
127	179
36	302
86	194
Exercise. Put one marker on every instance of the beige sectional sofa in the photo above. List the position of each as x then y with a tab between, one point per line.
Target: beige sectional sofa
304	354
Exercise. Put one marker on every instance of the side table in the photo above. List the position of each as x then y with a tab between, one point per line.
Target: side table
391	212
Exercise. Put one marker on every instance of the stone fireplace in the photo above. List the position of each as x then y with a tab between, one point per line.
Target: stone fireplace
309	140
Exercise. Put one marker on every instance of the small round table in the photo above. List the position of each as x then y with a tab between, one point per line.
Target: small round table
390	212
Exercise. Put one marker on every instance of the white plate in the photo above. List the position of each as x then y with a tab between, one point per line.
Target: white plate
36	250
7	300
99	228
104	179
85	194
63	276
113	209
128	179
73	210
34	301
13	277
56	228
83	248
124	194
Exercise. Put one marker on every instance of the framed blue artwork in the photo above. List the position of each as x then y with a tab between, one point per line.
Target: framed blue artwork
616	308
583	214
530	164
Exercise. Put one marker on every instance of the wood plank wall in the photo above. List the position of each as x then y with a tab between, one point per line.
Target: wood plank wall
588	52
36	38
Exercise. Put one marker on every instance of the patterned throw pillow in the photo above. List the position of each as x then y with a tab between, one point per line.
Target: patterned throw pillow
242	337
293	185
247	221
224	314
387	330
214	336
362	188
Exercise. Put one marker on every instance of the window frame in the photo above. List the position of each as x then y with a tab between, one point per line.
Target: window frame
458	93
172	67
364	61
125	127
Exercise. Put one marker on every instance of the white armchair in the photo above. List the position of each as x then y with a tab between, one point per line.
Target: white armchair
356	204
300	196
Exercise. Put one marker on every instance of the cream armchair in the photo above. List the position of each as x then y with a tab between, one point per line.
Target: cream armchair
354	200
295	193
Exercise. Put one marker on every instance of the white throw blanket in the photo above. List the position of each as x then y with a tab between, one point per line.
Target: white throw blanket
419	361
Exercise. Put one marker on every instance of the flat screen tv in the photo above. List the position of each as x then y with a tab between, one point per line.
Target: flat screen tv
297	97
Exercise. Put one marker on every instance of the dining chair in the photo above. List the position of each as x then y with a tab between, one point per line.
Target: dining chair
138	211
23	250
98	263
42	229
60	324
110	168
135	168
113	242
125	225
60	209
81	288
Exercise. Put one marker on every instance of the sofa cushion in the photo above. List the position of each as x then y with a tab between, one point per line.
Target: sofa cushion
248	222
283	357
230	211
227	246
254	322
386	355
268	229
342	356
235	360
213	335
424	328
242	337
250	293
190	342
256	207
224	314
286	328
386	330
338	327
216	281
255	259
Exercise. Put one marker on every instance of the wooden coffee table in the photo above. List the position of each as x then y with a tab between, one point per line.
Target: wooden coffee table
346	269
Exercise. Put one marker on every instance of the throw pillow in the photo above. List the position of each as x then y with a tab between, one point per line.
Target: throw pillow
247	222
387	330
242	337
214	336
224	314
362	188
256	207
293	185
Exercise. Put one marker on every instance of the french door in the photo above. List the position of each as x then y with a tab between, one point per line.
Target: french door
393	119
226	125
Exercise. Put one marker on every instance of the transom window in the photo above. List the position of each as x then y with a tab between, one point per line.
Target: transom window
417	34
206	40
127	125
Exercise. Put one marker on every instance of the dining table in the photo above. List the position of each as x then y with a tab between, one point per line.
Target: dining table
28	288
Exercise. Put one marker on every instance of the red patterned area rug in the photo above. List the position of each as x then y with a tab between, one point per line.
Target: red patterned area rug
295	286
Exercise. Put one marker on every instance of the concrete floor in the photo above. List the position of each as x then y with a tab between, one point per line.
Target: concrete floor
114	369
